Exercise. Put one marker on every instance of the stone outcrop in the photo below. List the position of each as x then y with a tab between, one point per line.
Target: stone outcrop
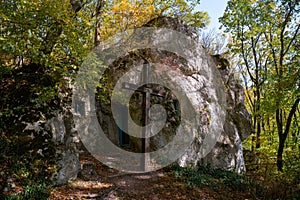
67	142
233	124
228	151
69	167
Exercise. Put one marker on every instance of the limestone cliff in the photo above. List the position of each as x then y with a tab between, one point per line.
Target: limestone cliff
212	89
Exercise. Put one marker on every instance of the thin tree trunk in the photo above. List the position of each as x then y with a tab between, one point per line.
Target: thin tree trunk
253	137
283	135
97	14
280	153
258	130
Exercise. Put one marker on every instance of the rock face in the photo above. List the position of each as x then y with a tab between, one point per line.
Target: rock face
67	142
218	96
228	151
69	168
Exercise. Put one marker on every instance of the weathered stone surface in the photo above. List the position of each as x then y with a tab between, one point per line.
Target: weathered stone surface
67	142
227	152
173	24
69	167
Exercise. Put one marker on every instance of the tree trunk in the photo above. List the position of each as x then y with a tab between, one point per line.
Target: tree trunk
258	118
253	137
283	135
97	14
280	153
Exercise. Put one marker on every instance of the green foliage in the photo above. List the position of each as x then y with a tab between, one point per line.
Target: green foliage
29	24
281	185
266	48
216	179
28	96
275	186
261	164
24	163
184	10
31	192
266	51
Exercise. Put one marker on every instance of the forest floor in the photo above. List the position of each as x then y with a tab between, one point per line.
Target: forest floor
100	182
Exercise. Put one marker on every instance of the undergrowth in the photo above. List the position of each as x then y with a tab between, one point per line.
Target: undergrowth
22	175
280	186
38	191
217	180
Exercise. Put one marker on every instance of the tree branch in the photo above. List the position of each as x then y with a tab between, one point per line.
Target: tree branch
289	119
293	39
56	29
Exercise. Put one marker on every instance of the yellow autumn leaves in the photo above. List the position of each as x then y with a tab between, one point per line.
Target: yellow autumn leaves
126	14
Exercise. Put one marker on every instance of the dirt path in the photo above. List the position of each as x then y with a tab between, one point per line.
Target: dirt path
155	185
99	182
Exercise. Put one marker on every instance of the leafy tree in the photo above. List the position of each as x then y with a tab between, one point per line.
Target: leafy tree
120	15
265	36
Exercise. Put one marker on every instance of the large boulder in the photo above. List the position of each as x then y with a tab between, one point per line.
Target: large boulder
212	89
69	167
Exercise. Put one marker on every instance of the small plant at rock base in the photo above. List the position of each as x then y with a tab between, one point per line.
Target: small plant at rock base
39	191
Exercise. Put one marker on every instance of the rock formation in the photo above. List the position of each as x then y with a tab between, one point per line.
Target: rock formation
227	153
